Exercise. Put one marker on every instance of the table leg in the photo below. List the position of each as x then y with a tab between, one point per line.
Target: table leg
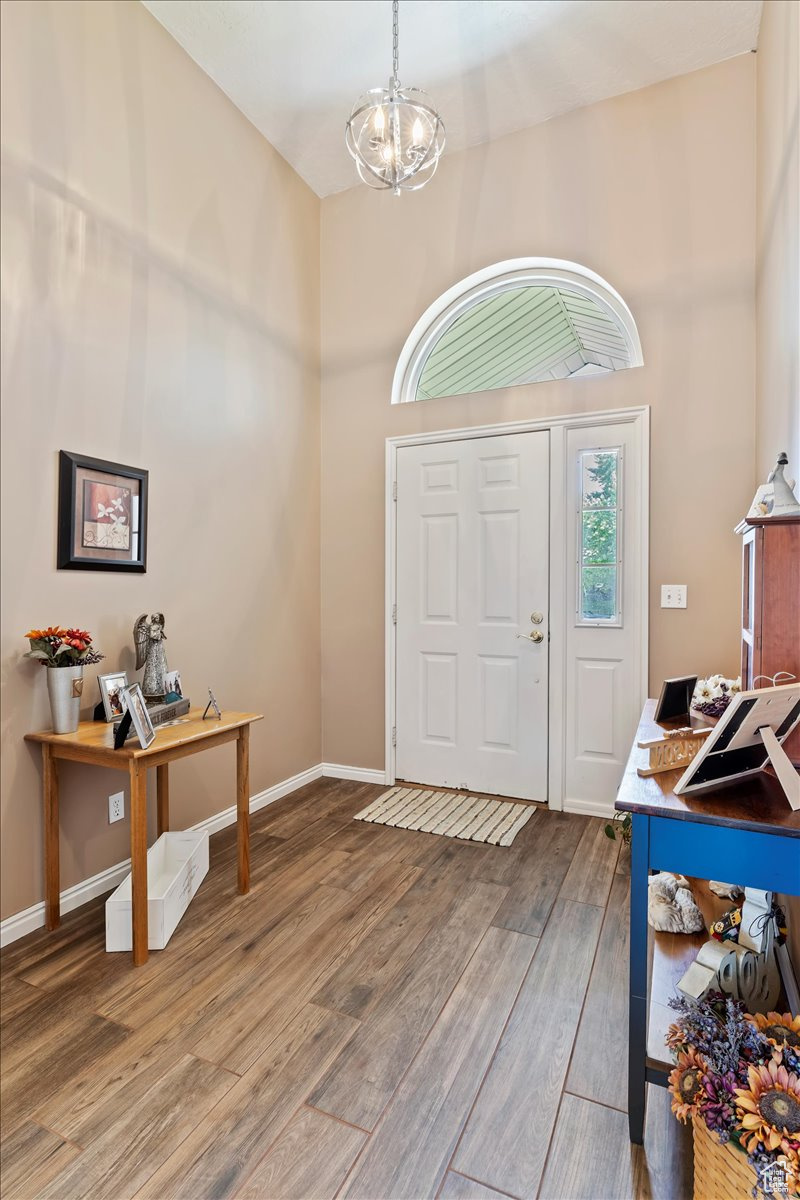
52	868
243	806
138	782
162	797
637	1010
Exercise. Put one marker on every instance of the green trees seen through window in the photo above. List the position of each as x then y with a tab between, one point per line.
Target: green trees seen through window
598	551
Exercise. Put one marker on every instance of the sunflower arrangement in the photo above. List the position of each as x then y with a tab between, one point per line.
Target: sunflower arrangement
57	647
740	1075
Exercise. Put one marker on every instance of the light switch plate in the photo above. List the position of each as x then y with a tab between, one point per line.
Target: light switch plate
673	595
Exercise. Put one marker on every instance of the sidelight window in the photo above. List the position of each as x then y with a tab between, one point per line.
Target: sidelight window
599	540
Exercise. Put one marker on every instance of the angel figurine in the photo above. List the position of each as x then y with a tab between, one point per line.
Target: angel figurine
149	638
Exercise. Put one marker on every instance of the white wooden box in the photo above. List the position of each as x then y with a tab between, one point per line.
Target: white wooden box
176	866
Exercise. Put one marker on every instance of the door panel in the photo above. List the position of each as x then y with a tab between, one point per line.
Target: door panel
472	565
440	568
438	705
499	701
499	567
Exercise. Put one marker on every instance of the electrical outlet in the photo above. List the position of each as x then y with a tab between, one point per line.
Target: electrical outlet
116	807
673	595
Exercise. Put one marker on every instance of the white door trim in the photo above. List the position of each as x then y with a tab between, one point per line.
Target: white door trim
560	507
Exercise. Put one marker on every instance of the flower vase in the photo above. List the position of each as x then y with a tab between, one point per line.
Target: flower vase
65	688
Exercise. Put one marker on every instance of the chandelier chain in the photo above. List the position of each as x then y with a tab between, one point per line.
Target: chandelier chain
395	40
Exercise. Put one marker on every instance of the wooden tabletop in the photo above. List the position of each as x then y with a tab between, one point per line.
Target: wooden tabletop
757	802
96	738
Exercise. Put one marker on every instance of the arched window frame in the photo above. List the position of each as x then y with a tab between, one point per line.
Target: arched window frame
491	281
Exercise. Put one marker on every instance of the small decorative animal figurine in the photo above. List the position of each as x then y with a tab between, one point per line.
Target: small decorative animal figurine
149	638
729	891
671	906
784	501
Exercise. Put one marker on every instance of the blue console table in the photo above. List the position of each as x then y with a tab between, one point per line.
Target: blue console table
743	833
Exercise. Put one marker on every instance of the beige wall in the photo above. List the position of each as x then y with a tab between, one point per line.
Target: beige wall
778	235
160	290
161	305
653	190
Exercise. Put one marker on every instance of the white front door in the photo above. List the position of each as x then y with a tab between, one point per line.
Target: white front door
472	586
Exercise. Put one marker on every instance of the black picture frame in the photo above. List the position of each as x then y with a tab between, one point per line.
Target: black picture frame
737	746
115	542
676	699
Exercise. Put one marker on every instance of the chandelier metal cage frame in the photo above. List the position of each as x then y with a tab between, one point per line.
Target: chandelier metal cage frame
395	135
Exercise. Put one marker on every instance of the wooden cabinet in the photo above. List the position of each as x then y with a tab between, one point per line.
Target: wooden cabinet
771	602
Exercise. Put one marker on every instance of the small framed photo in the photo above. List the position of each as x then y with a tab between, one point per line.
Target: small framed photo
675	700
172	683
112	688
139	715
102	515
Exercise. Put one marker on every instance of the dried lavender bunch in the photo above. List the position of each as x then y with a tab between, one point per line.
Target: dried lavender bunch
717	1028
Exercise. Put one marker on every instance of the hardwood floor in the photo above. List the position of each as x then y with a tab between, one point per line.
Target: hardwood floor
387	1014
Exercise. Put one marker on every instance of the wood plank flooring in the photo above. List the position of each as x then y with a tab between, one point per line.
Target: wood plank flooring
387	1014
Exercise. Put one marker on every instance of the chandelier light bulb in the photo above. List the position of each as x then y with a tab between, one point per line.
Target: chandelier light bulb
394	134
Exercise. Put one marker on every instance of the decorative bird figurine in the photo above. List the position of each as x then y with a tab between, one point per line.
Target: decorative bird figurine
784	502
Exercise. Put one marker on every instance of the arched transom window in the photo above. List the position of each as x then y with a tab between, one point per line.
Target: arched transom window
517	322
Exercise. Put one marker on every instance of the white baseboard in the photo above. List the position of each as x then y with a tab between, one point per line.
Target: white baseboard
357	774
278	790
590	808
32	918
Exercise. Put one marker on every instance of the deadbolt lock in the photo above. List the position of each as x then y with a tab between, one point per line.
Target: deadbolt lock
537	618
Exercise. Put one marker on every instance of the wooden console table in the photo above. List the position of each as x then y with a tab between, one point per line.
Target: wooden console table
743	833
93	743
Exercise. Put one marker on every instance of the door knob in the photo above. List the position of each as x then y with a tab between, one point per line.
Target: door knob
537	618
535	636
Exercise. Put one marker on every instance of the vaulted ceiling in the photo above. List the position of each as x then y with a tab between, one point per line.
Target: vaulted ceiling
295	67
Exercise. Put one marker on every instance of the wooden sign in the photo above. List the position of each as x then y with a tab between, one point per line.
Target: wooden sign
673	751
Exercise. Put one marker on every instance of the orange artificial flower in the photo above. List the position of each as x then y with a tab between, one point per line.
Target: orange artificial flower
780	1029
675	1037
686	1084
769	1109
52	631
79	639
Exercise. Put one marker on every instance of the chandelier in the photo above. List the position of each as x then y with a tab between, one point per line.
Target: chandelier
395	134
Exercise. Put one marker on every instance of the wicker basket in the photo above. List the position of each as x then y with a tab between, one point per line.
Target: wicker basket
721	1172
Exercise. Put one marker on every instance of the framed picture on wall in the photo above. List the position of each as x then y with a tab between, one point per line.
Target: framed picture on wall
102	515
